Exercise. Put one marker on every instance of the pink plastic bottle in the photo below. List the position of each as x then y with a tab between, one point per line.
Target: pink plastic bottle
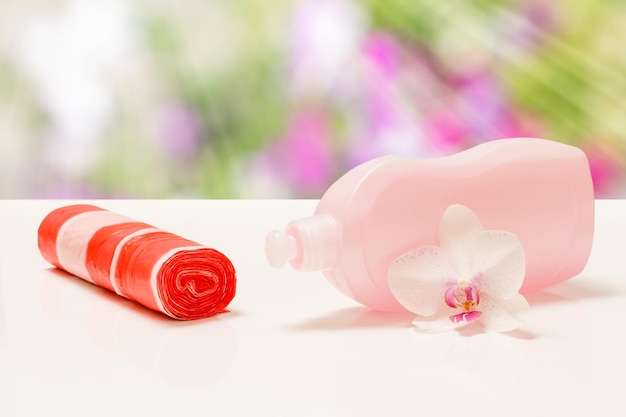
538	189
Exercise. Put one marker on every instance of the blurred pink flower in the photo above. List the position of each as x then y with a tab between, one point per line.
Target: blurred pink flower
381	59
476	110
446	128
541	14
325	35
382	50
606	169
541	19
301	159
388	117
309	156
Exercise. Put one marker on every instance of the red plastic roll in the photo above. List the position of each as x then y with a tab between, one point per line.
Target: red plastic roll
158	269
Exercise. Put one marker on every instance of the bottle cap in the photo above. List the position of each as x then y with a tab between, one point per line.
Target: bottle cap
280	248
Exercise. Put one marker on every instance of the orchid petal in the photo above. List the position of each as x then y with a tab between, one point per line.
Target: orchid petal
503	315
458	228
498	258
417	279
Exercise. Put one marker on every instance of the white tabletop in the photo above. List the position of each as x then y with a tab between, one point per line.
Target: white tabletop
292	345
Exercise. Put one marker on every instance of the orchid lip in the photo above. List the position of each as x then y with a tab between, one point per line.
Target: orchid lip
466	317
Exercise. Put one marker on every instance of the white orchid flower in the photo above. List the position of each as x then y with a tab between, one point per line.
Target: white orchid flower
474	275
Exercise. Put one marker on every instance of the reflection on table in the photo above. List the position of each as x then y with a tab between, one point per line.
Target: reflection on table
184	354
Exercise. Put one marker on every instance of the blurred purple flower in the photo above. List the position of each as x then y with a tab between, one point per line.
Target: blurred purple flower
476	110
487	112
178	130
67	191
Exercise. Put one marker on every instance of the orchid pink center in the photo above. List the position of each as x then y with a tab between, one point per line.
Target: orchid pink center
463	295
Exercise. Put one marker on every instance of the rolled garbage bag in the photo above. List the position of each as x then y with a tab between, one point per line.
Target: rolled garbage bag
160	270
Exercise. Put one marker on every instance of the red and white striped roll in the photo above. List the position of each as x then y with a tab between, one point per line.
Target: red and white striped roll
157	269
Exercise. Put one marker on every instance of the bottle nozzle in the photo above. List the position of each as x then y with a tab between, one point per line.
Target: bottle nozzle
280	248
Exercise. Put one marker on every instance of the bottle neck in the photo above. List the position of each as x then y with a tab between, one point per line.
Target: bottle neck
316	242
309	244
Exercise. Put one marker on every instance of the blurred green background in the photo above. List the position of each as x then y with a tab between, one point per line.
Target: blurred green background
278	98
